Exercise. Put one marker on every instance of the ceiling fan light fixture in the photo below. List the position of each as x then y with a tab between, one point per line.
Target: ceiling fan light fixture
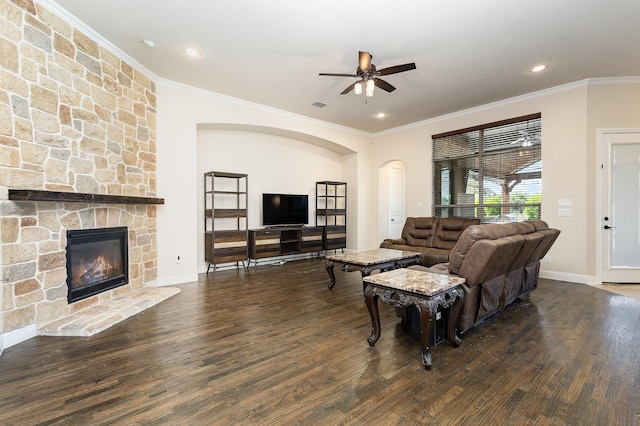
370	86
357	89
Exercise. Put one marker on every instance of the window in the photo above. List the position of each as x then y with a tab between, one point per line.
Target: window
493	171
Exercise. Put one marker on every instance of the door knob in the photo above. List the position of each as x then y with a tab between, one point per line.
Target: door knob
608	227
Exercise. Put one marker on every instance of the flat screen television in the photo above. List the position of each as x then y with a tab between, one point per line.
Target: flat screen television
285	209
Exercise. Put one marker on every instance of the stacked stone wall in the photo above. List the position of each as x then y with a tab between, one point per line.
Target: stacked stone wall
73	117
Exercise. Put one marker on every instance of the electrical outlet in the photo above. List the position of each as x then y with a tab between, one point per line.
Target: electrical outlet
547	259
178	259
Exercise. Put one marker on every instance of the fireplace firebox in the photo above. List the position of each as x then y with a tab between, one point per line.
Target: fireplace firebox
97	261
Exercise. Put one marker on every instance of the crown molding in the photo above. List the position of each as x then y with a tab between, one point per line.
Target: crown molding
95	36
509	101
90	32
257	106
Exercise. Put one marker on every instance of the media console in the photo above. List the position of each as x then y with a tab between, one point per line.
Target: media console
281	241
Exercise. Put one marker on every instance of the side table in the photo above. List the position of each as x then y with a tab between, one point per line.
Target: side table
406	287
368	261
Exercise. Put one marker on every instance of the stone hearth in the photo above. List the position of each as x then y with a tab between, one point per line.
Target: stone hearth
108	313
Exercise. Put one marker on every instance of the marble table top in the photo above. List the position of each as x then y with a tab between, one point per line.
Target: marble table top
412	281
372	257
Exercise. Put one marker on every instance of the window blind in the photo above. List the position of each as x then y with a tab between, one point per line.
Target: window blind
492	171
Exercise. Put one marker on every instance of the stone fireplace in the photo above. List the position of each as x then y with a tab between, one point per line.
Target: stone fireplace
75	119
97	261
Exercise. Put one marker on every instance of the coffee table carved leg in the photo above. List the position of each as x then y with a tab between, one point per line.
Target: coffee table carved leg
332	276
454	314
371	299
427	313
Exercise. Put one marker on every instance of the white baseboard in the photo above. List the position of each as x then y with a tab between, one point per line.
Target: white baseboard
173	280
573	278
261	262
14	337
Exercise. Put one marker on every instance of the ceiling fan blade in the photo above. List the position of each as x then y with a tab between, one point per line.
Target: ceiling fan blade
348	89
364	59
337	75
396	69
383	85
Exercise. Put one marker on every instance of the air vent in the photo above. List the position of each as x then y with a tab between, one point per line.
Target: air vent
319	104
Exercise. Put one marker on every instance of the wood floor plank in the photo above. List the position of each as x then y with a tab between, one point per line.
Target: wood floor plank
275	346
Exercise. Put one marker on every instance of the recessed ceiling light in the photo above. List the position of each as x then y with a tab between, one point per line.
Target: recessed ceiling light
381	115
148	43
192	51
538	68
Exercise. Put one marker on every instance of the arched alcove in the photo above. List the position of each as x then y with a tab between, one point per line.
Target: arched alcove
275	160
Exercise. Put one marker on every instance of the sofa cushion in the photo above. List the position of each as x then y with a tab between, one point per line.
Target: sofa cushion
488	259
449	230
471	235
419	231
433	256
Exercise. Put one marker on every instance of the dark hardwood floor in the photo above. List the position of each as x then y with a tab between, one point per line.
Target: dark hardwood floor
275	346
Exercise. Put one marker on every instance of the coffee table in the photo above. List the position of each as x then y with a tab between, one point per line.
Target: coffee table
369	260
403	288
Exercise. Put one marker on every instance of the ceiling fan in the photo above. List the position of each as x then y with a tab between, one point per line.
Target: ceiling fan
368	75
526	139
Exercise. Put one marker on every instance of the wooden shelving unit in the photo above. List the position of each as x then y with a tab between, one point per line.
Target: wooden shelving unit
331	213
275	242
225	218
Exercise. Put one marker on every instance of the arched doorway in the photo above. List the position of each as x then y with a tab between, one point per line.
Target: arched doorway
391	195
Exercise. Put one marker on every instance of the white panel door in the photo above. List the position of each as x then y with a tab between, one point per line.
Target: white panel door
620	207
396	201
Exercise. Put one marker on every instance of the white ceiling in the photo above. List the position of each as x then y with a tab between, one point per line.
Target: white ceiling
467	52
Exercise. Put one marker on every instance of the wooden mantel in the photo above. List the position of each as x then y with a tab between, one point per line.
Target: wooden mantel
78	197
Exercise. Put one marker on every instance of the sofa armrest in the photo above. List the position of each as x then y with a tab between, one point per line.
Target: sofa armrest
392	241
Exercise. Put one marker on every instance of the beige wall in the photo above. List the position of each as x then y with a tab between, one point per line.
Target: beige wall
183	110
570	117
275	164
611	106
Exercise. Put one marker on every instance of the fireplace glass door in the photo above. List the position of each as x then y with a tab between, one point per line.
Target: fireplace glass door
97	261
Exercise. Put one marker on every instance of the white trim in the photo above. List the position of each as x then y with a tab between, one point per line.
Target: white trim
508	101
262	107
95	36
600	135
14	337
90	32
572	278
173	280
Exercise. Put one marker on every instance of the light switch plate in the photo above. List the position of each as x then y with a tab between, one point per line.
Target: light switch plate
564	202
564	212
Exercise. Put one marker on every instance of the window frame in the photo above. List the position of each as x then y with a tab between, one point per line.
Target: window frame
477	208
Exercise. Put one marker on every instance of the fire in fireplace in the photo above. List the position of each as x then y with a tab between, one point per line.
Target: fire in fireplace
97	261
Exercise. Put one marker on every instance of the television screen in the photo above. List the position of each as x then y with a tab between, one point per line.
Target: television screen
285	209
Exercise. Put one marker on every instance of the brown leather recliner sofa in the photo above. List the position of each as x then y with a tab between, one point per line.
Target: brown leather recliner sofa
500	263
433	237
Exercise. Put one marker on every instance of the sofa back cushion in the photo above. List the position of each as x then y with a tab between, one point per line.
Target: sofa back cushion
548	238
419	231
471	235
449	231
488	259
